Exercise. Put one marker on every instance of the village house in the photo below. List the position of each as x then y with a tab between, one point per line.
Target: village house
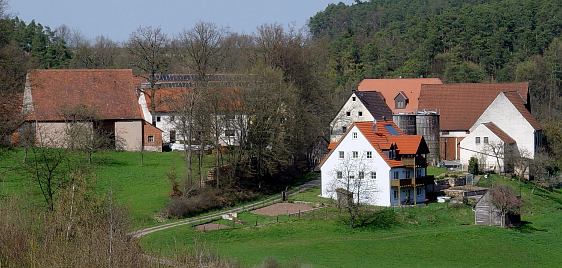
378	164
181	108
58	102
462	105
361	106
506	129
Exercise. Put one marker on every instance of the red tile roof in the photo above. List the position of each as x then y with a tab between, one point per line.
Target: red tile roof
390	88
111	93
460	105
168	98
382	139
499	132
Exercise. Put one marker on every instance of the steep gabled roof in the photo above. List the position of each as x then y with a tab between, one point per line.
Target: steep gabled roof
499	132
375	104
390	88
460	105
517	100
382	139
110	93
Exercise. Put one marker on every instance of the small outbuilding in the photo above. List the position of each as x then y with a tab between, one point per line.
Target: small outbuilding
487	213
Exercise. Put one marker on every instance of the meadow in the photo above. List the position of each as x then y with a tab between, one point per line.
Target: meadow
438	235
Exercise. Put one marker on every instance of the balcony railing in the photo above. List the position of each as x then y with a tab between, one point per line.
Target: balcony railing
411	161
411	182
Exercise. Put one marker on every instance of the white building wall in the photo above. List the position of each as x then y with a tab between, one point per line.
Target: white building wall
353	106
506	116
372	191
128	135
482	151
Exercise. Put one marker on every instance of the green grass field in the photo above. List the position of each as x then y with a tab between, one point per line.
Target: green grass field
438	235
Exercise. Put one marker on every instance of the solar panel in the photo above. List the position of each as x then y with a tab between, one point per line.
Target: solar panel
391	130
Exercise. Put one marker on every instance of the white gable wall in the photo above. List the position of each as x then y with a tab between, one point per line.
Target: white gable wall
482	151
371	191
506	116
343	120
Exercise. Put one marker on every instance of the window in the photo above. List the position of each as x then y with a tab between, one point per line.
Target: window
360	113
172	135
361	175
342	154
229	133
150	139
396	175
419	191
354	135
158	119
373	175
369	154
485	139
395	194
408	174
343	129
355	154
348	113
477	140
339	175
352	98
172	118
400	104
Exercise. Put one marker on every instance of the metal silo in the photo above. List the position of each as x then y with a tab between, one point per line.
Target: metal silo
406	123
427	124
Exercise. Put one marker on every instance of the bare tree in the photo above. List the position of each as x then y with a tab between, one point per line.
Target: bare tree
505	200
149	48
202	45
353	176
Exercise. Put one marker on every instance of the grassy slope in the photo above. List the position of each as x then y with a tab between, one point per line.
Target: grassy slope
434	236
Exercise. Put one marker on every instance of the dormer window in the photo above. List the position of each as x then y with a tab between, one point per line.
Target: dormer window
400	101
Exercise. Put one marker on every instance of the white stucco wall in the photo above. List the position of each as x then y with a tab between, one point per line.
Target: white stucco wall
482	150
506	116
373	191
128	134
342	120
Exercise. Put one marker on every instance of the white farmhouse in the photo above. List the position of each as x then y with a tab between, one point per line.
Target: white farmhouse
505	127
378	164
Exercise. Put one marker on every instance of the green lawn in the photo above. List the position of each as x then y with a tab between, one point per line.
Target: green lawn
434	236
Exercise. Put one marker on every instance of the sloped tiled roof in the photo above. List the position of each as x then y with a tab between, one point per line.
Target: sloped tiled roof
460	105
167	98
390	88
499	132
374	101
381	139
517	100
110	93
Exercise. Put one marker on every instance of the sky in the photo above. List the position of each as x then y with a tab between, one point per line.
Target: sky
117	19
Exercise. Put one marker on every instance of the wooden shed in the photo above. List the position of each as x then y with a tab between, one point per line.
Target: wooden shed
486	213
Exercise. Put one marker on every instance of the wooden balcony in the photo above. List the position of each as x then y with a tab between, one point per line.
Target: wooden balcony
411	182
414	161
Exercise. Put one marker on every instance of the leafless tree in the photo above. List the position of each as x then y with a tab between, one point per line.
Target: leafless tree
352	175
202	45
505	200
150	50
